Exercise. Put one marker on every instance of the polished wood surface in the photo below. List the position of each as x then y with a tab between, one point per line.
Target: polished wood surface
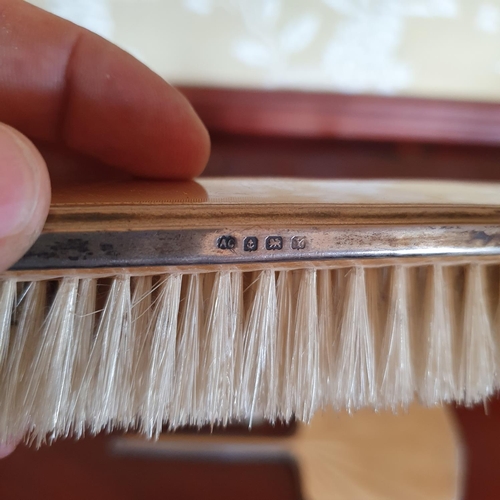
327	115
365	456
237	202
235	155
479	428
92	470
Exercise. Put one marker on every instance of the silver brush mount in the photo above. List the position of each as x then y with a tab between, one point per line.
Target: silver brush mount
136	248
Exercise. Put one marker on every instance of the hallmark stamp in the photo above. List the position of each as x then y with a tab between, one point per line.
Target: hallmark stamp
298	242
274	243
226	243
250	244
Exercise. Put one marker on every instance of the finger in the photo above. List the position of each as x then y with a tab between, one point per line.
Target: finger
69	168
61	83
24	195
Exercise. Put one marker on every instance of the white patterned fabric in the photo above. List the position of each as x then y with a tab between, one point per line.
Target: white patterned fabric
429	48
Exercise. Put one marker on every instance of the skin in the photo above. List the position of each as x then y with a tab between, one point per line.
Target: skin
75	107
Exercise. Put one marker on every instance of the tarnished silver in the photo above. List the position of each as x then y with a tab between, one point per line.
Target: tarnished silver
240	245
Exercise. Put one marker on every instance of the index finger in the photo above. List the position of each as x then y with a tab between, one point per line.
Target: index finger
64	84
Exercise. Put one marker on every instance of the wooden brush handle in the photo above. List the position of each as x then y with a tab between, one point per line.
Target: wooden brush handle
270	202
238	221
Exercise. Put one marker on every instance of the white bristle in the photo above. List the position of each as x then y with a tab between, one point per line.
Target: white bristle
82	354
436	340
109	359
285	343
161	350
477	371
48	376
356	357
7	300
327	338
396	380
186	404
222	348
140	318
15	419
304	368
83	337
258	387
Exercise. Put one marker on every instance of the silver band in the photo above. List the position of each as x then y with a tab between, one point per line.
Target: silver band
230	245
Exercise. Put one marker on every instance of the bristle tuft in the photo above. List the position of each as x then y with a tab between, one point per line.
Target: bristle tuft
437	343
356	356
396	378
81	354
7	300
477	371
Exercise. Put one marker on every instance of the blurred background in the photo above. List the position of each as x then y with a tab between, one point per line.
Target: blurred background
421	48
304	88
342	88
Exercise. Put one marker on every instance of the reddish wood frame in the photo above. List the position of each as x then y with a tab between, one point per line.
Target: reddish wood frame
355	117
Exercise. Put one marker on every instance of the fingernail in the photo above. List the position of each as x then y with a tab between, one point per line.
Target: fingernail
17	183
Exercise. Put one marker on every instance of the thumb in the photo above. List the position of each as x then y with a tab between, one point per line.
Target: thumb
24	195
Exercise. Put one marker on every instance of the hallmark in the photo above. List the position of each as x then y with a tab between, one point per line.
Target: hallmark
274	243
250	244
226	243
298	242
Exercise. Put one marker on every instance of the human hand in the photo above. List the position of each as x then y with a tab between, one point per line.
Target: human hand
89	110
86	105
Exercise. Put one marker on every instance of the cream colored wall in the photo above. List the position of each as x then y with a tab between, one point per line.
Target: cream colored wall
429	48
